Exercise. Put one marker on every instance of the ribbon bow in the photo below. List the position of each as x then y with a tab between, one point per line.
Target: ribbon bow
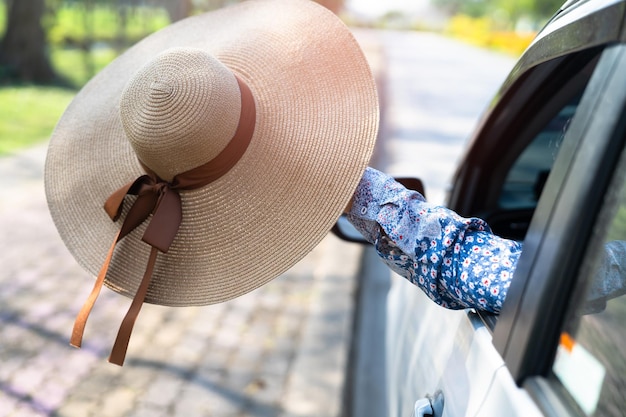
156	197
162	200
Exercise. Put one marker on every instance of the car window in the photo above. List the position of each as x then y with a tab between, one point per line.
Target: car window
519	166
591	360
527	176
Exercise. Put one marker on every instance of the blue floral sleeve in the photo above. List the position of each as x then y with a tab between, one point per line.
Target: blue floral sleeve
458	262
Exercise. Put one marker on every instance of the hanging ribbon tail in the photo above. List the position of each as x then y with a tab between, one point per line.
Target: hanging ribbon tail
118	353
165	221
81	319
141	209
166	211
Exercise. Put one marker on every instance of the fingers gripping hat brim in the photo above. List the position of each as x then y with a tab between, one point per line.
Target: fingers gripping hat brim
316	124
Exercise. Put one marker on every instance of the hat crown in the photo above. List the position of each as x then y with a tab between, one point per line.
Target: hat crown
180	110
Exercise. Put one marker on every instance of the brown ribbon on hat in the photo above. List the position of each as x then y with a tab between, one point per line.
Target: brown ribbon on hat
161	199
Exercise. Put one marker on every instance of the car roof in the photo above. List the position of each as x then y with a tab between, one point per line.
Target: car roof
578	25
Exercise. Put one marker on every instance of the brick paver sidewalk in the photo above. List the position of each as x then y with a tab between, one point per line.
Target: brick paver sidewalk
278	351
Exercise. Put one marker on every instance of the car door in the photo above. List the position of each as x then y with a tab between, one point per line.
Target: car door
523	174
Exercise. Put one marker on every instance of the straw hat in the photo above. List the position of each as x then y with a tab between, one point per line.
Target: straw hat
282	80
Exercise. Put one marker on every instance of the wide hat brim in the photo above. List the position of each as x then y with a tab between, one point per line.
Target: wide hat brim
316	125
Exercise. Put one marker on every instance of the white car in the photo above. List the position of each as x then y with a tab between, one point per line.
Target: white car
547	166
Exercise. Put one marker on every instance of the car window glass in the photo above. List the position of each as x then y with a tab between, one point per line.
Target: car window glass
528	171
591	359
524	181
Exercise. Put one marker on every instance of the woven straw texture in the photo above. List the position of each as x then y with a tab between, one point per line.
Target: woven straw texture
316	124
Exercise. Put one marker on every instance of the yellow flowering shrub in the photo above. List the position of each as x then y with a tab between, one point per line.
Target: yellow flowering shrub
482	32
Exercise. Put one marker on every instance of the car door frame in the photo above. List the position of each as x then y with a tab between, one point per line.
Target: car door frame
561	225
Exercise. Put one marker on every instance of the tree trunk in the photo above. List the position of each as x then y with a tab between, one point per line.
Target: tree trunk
23	49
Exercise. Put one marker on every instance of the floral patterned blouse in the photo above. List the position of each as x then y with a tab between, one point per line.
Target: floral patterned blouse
458	262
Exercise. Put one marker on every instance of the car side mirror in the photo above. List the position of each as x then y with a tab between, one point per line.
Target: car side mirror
414	184
344	230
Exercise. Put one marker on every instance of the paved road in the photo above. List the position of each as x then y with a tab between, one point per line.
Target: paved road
437	88
278	351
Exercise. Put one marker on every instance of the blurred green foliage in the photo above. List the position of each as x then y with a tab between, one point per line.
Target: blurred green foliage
508	13
28	114
504	25
81	41
76	25
85	35
78	67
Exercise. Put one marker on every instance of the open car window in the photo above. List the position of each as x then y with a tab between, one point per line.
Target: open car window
525	180
536	138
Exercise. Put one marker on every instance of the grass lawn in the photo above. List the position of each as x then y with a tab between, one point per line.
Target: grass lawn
28	114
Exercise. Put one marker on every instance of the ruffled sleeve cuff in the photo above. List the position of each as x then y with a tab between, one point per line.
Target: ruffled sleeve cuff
381	202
